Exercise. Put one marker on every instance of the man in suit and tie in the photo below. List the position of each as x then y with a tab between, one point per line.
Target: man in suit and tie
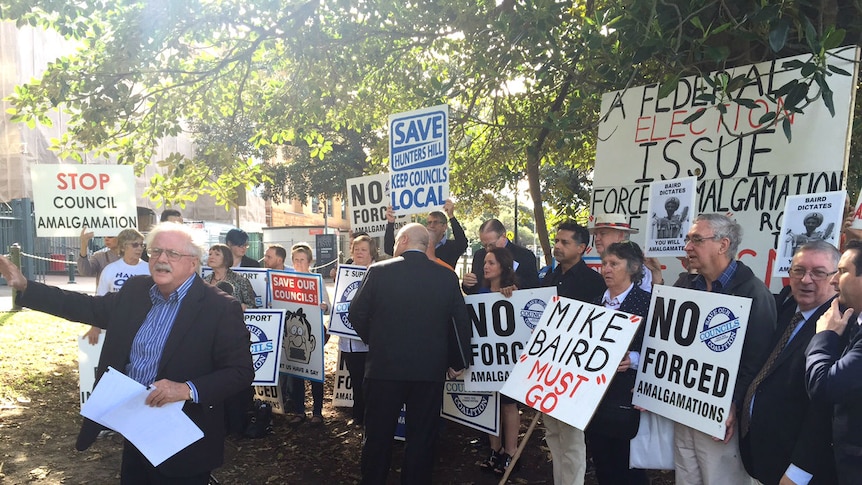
833	370
405	310
170	331
493	233
783	434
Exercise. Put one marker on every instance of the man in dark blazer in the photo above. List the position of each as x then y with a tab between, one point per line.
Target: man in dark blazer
448	250
833	370
405	310
783	434
171	331
493	233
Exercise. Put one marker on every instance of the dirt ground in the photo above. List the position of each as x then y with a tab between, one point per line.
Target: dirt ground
39	423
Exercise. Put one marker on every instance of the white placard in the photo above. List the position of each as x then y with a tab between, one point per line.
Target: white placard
570	359
347	281
690	356
642	139
419	160
88	363
369	196
271	395
300	294
266	328
69	197
258	279
477	410
500	327
672	207
342	388
811	217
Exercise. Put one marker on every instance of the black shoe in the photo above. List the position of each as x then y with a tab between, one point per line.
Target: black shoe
503	462
490	464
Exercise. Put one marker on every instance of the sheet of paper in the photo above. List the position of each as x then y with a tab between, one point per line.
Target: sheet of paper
117	402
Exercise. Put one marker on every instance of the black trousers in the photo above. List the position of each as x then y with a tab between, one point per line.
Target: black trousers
137	470
383	400
356	368
611	459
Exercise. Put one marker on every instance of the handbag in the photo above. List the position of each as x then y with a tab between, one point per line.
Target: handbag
652	448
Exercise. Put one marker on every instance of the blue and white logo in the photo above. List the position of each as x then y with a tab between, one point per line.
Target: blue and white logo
532	312
261	346
719	329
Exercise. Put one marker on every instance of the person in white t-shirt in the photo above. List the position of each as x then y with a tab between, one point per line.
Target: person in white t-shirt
131	244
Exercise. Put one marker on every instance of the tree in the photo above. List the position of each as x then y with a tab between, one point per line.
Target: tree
524	79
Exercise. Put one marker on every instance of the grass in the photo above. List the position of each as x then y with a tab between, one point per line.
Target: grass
36	349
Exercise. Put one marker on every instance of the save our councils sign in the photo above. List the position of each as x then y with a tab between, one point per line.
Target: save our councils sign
643	139
419	160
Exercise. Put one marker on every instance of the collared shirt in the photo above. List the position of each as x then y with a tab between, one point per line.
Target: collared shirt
616	301
722	281
150	340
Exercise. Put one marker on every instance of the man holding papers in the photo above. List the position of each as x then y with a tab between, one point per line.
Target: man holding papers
169	331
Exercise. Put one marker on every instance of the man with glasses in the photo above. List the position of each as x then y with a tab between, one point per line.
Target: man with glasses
448	250
613	228
169	331
492	233
711	246
784	435
237	241
833	367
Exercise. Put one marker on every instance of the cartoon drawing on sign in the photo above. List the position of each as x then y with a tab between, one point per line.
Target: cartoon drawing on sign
300	341
812	222
670	226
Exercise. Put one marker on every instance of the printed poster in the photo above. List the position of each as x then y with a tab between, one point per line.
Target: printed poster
475	409
369	198
265	328
809	217
300	294
347	281
672	208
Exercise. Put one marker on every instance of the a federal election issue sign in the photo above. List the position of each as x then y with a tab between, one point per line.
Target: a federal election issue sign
419	160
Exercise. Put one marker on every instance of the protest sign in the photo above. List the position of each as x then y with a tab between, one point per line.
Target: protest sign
71	197
642	139
369	197
347	281
672	207
300	295
475	409
419	160
88	362
342	388
265	328
271	395
500	328
570	359
856	221
690	356
809	217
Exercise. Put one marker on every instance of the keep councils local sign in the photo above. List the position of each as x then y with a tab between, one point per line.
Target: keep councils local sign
419	160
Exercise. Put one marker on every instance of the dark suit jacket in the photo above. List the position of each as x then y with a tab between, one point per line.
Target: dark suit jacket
404	310
835	379
526	273
208	345
786	427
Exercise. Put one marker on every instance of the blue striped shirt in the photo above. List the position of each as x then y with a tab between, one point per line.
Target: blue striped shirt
722	281
150	340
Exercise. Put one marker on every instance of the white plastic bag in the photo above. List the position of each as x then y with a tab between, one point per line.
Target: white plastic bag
652	448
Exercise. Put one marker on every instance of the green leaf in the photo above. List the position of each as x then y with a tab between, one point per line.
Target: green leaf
785	125
748	103
717	54
767	118
668	85
697	23
837	70
778	35
808	69
833	38
694	116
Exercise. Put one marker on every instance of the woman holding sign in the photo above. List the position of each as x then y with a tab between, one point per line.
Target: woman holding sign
363	251
615	421
499	275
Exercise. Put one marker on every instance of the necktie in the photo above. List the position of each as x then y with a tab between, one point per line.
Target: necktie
767	368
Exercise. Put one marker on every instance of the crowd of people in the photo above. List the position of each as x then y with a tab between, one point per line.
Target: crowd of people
796	412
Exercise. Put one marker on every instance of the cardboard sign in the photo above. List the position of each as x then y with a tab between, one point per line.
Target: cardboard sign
300	295
342	388
272	395
88	362
690	356
672	208
255	276
809	217
71	197
265	328
642	139
500	328
419	160
347	281
369	197
570	359
477	410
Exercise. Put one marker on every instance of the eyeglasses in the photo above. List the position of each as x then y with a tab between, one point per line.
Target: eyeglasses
700	239
135	244
815	274
173	256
